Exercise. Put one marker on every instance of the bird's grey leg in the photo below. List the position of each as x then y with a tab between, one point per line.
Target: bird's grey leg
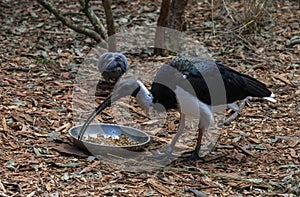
199	140
195	154
233	106
236	113
170	147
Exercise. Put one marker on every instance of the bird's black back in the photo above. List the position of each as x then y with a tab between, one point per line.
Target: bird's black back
212	82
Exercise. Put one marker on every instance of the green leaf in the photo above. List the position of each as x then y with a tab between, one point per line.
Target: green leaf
65	176
37	152
18	102
54	135
10	164
70	164
91	158
209	24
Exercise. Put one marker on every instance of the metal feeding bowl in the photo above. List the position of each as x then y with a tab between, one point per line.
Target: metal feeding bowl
138	139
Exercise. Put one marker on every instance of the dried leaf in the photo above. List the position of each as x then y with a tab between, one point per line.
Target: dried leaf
67	149
198	193
288	166
293	143
282	78
37	152
54	135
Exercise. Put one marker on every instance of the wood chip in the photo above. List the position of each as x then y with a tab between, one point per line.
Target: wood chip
253	140
293	153
159	187
64	127
243	150
4	125
293	143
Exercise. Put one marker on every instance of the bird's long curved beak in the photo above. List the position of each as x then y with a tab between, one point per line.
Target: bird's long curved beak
107	102
121	91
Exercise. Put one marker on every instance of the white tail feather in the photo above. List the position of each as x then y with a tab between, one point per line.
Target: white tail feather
270	98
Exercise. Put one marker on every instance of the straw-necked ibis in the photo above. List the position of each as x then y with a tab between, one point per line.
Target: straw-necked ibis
192	85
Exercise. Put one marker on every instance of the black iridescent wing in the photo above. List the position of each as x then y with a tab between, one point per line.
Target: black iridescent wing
212	82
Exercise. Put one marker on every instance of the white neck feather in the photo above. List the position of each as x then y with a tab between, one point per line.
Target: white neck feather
144	97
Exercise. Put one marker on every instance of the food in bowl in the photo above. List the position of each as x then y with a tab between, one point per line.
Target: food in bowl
109	140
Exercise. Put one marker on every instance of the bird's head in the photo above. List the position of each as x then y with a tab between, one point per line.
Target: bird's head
112	61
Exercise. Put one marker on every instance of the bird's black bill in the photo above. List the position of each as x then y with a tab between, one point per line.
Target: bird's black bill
125	88
107	102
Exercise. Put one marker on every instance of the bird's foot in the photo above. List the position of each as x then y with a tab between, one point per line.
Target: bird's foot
237	110
164	155
193	157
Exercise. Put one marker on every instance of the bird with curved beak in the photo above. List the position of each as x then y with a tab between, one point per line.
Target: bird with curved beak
112	65
192	85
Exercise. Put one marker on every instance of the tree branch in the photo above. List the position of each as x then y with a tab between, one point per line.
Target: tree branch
96	22
78	28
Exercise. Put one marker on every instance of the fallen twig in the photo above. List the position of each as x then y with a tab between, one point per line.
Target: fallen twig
2	187
194	170
243	150
16	185
293	43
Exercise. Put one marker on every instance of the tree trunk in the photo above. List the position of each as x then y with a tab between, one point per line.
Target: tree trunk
171	16
162	22
111	31
176	18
